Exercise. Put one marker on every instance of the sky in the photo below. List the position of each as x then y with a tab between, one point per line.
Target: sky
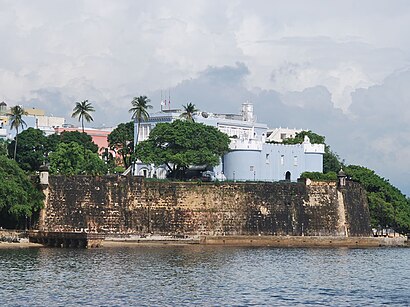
338	68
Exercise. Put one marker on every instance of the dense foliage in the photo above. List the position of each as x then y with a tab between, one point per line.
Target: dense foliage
330	176
19	198
388	206
82	110
331	161
121	141
183	143
31	149
34	147
3	147
300	137
67	137
70	159
16	121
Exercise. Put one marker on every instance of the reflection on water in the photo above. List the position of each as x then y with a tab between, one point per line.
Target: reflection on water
200	275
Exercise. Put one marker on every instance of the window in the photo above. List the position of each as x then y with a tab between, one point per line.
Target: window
282	160
267	158
295	161
251	168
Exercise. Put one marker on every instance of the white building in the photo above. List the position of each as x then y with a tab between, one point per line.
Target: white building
35	118
250	157
277	135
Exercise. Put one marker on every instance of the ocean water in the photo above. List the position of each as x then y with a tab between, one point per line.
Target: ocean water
204	276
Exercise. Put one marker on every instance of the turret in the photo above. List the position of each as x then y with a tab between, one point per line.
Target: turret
341	176
44	175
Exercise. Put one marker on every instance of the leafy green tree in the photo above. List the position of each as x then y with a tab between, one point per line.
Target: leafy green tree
69	159
300	137
52	141
189	111
82	111
3	147
330	176
181	144
109	160
388	206
34	147
19	198
139	111
331	161
121	141
31	149
16	120
82	139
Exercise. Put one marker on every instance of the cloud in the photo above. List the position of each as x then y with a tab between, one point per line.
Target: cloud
338	68
374	133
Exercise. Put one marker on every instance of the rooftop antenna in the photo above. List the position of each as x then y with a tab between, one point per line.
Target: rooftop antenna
169	99
162	101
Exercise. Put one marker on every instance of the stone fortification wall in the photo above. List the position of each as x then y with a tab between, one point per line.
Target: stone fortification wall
118	205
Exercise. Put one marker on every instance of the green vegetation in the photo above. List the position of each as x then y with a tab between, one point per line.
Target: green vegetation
300	137
170	144
16	120
19	198
121	141
82	111
69	159
331	161
34	147
189	111
31	149
139	110
388	206
173	145
3	147
82	139
330	176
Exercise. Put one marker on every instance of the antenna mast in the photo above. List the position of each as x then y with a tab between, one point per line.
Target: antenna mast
169	99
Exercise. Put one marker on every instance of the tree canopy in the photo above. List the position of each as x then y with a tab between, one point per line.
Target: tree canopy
331	161
388	206
69	159
31	149
82	110
140	107
3	147
82	139
300	137
181	144
16	120
189	110
34	147
121	141
19	198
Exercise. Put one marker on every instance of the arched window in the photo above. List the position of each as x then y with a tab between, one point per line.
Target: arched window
287	176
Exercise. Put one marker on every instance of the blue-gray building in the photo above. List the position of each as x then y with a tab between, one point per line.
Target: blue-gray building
250	157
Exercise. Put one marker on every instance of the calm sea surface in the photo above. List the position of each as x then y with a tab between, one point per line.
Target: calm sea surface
210	276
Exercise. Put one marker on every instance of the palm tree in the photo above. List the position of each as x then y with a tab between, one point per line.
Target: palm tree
139	112
82	110
16	121
189	111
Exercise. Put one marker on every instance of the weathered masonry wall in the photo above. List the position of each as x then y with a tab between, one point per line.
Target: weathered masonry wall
118	205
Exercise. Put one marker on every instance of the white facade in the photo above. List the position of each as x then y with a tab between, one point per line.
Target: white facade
277	135
250	157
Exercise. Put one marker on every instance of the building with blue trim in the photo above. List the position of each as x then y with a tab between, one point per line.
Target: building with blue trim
250	157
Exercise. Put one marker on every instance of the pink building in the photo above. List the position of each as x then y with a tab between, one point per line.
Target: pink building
99	136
